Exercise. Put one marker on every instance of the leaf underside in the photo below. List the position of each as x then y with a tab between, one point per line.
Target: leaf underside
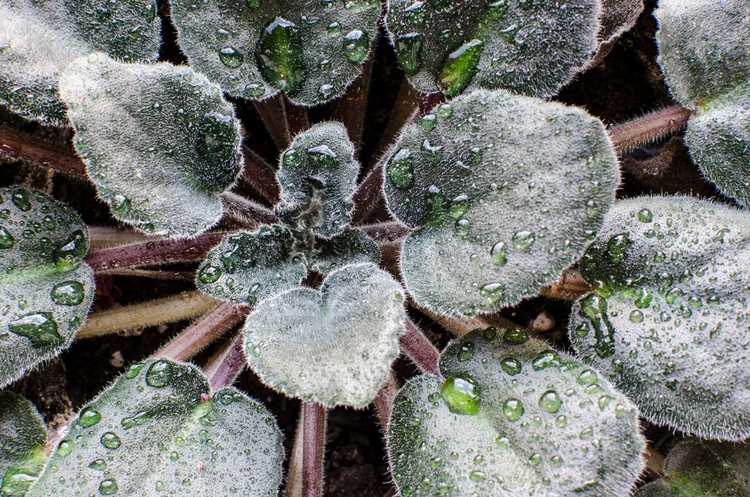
669	323
22	438
498	215
159	141
541	424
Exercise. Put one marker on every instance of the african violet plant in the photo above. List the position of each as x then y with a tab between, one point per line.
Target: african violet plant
485	199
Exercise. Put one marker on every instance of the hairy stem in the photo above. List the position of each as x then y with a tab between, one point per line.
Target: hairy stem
294	479
649	128
203	332
391	231
352	106
384	401
570	286
226	365
420	350
161	251
260	176
405	110
368	195
152	274
313	448
107	236
170	309
247	212
282	119
463	326
22	146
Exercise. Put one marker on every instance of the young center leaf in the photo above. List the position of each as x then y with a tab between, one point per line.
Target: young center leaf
506	191
333	346
45	288
531	47
695	468
350	247
156	431
159	141
254	49
669	321
22	439
39	38
318	175
512	418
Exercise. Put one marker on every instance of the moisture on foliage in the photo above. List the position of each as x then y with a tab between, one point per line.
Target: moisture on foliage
22	439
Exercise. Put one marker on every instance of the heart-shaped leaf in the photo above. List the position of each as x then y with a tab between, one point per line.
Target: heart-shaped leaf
309	50
333	346
669	320
22	439
703	469
45	288
506	191
528	46
512	418
318	175
39	38
159	141
155	432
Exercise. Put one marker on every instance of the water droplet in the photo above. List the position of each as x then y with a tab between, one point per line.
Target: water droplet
523	240
71	251
67	293
400	171
463	227
98	464
89	417
323	157
210	274
134	370
461	394
21	199
444	111
550	401
6	239
356	45
546	359
588	377
108	487
645	216
617	247
460	67
428	122
513	409
39	327
459	206
159	374
516	336
65	447
409	52
636	316
511	365
110	440
493	292
499	254
231	57
279	55
120	204
466	351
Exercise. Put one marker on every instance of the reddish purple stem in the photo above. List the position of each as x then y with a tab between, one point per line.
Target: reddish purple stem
420	350
227	365
313	448
637	132
28	148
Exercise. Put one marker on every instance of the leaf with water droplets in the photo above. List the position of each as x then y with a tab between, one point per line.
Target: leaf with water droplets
157	430
312	51
318	175
512	418
505	192
22	438
531	47
696	468
46	289
159	141
38	39
669	320
351	247
333	346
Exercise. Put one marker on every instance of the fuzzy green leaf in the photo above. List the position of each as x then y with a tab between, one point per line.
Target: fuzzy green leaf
39	38
531	47
22	439
506	191
703	469
350	247
45	288
513	419
333	346
309	50
318	175
154	432
669	323
159	141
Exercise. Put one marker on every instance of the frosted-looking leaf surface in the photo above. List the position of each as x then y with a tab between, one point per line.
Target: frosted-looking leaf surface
670	322
22	438
513	418
351	247
39	38
318	175
310	50
531	47
618	16
703	469
159	141
156	432
333	346
506	191
45	288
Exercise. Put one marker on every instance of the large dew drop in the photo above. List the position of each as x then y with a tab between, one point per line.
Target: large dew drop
461	394
279	55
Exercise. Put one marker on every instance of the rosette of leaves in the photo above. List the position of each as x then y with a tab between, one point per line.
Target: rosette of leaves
158	430
22	439
311	51
696	468
160	142
532	47
38	39
705	54
668	321
46	289
512	417
497	216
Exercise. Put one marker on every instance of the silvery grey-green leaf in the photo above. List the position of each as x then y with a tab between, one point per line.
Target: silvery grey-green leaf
39	38
506	191
160	142
669	322
513	418
333	346
46	289
22	438
254	49
531	47
155	432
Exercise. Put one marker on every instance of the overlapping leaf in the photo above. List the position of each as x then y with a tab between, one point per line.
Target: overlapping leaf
45	288
22	438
